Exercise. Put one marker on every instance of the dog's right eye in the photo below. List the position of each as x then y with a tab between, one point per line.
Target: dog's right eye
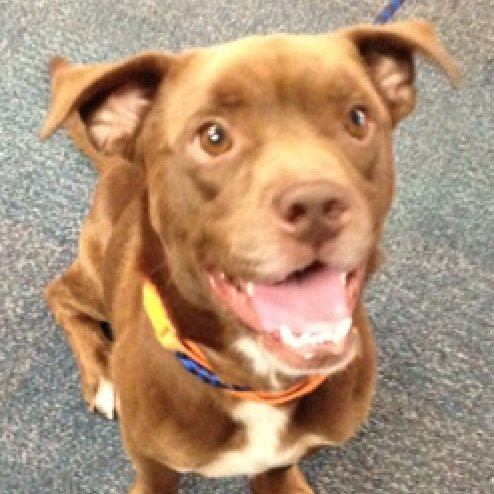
214	139
357	123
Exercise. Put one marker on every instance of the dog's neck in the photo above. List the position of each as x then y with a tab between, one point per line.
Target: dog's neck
195	335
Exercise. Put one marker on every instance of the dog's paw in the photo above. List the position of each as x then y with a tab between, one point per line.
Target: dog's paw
104	401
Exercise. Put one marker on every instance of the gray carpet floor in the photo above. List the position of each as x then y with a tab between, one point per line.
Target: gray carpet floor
432	427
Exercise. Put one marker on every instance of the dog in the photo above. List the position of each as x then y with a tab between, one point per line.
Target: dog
242	195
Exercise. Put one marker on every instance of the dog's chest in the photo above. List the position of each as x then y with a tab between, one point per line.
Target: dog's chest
266	448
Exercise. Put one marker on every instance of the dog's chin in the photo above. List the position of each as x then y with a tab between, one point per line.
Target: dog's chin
303	322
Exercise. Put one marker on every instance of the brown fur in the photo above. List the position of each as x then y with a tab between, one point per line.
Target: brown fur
160	211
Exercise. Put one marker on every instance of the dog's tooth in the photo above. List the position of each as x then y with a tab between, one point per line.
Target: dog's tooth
304	340
343	277
330	336
342	329
290	339
286	334
284	328
316	339
285	331
249	289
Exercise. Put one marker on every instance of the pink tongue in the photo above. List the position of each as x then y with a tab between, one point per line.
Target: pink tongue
317	297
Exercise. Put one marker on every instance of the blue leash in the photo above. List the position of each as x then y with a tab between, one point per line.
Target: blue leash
389	11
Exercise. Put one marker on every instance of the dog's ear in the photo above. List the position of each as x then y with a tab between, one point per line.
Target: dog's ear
103	105
388	52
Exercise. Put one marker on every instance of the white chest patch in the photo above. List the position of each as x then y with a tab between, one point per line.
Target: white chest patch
264	426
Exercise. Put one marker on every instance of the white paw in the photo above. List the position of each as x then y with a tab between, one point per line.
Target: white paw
105	400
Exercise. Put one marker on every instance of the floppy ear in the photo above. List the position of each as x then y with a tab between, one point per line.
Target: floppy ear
388	52
103	105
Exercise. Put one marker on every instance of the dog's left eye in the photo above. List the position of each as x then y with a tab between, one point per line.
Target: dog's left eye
214	139
357	122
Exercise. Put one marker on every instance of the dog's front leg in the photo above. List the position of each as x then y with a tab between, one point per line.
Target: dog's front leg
288	480
75	301
153	477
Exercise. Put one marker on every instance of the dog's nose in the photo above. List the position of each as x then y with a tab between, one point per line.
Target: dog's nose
312	211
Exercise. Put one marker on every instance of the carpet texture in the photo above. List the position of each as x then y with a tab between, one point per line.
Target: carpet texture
432	428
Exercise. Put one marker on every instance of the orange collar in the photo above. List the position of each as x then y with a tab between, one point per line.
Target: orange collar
194	360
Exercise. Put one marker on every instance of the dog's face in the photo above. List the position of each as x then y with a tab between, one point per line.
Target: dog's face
270	174
281	148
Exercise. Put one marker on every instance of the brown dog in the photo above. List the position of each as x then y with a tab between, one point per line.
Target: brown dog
247	184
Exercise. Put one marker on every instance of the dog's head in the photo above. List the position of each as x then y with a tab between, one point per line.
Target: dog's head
270	171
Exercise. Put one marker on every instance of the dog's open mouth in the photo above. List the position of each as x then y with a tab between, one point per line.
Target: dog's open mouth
305	321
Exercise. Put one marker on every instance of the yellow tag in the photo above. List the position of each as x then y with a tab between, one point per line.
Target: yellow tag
163	328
